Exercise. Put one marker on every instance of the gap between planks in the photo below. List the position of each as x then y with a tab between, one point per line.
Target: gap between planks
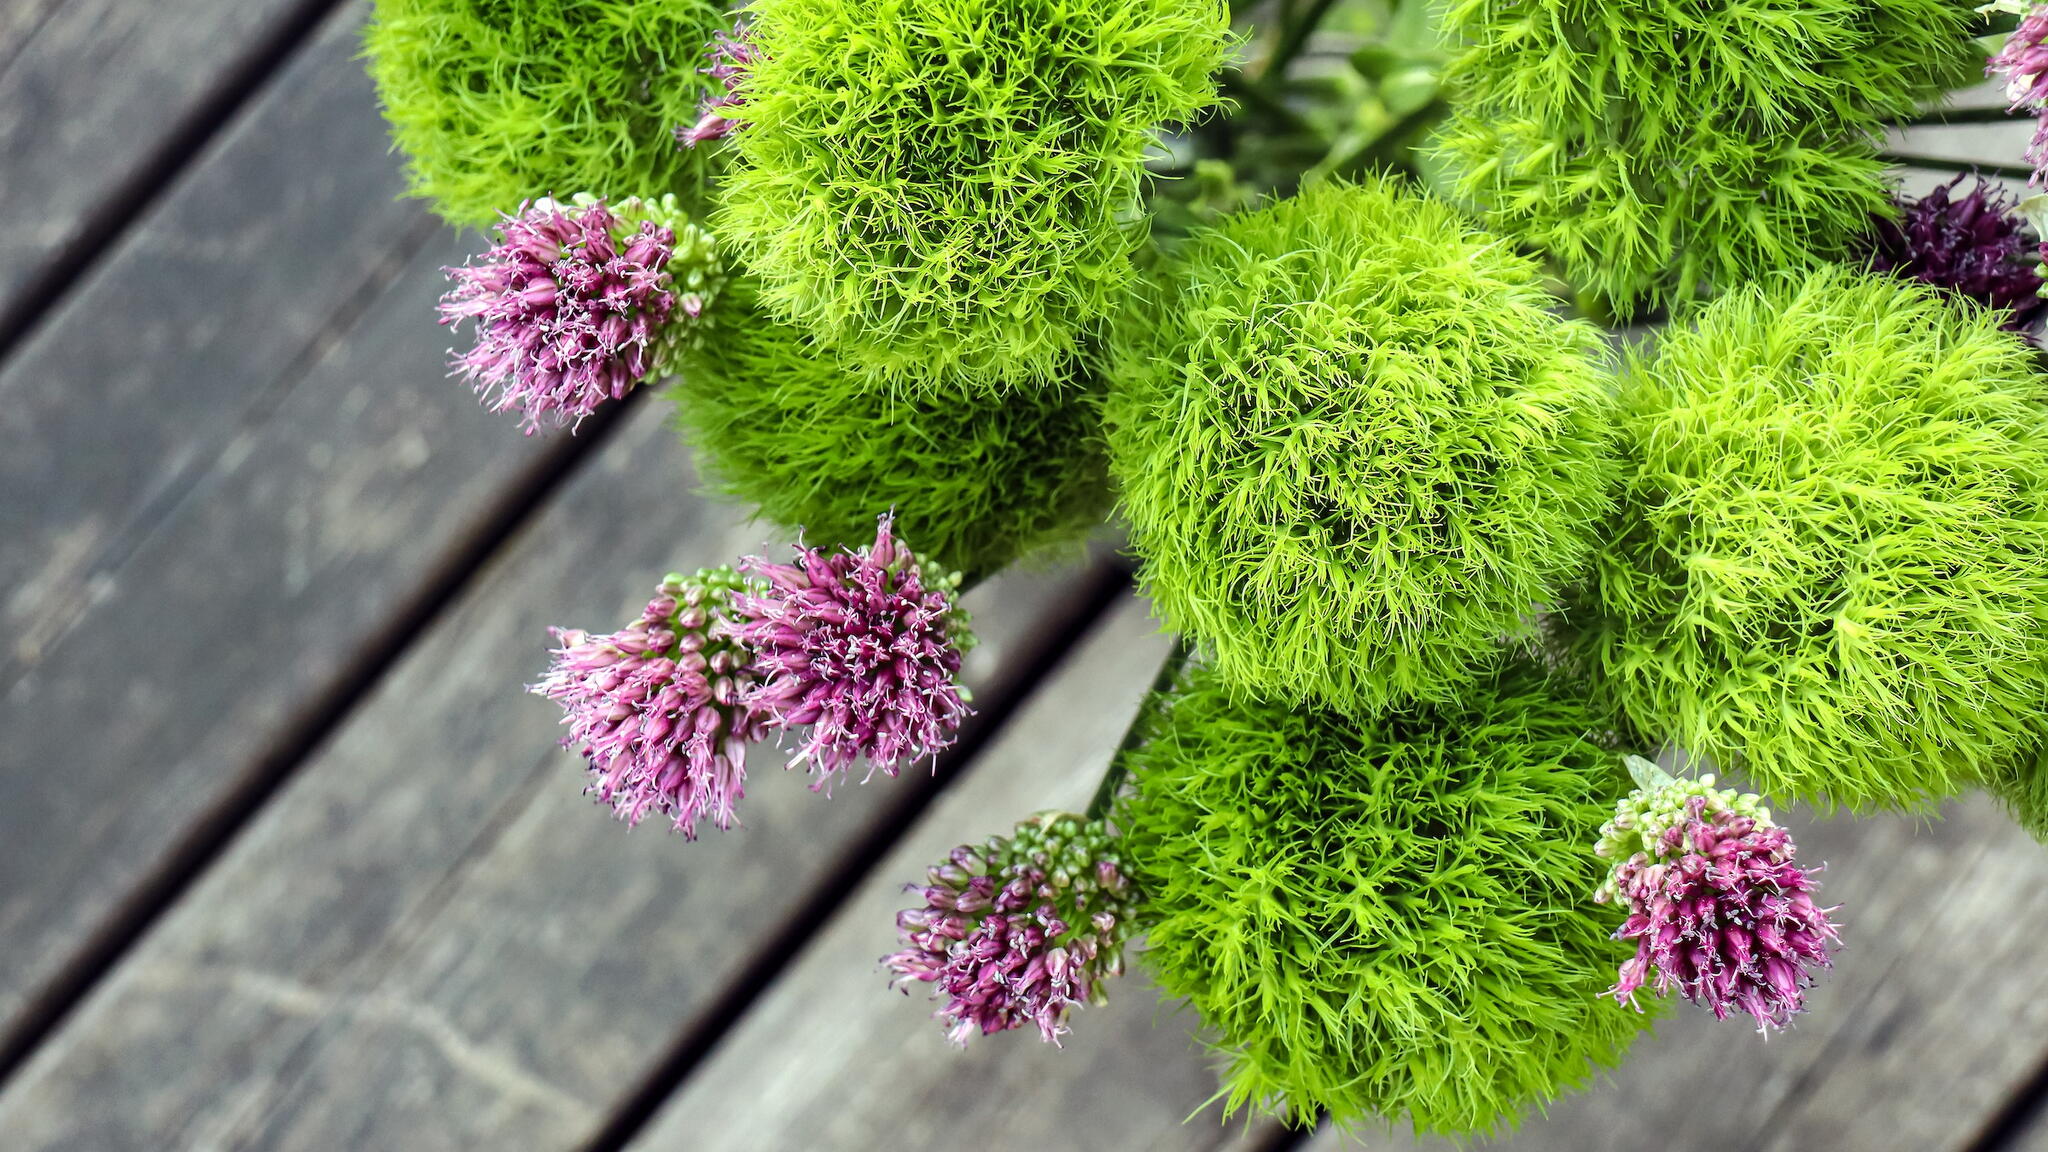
830	1059
383	944
213	831
1102	588
236	440
113	211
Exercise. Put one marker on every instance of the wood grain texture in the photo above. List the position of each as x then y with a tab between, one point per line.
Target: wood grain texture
192	323
226	468
1929	1021
2003	143
429	939
831	1060
91	91
19	20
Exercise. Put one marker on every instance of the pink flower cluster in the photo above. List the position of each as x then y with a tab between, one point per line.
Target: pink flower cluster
568	305
862	648
1717	908
2023	61
661	708
1019	930
731	55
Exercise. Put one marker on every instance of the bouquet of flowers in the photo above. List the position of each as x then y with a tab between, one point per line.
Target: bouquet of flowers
1309	297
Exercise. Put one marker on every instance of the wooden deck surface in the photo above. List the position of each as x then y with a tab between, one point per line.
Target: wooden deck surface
288	862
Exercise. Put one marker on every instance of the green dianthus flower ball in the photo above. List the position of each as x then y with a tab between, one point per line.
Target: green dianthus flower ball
2023	786
1355	446
1625	228
1831	564
1387	916
497	102
948	189
1660	148
976	480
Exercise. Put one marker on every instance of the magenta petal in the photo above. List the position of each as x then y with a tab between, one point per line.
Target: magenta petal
656	737
852	647
562	317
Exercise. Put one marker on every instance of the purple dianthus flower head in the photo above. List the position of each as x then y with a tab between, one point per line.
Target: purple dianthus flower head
2023	61
661	708
731	55
1977	245
1020	929
569	308
863	648
1716	907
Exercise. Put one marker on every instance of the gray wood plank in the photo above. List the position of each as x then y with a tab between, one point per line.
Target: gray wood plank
830	1059
2000	143
190	323
429	939
19	20
224	468
1930	1019
90	93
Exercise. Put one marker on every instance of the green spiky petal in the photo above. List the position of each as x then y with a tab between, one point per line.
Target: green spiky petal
1355	446
1831	567
946	188
1660	148
2023	786
496	102
976	480
1390	916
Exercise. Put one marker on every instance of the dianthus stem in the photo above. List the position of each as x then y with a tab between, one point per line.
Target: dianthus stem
1236	85
1395	149
1120	762
1293	35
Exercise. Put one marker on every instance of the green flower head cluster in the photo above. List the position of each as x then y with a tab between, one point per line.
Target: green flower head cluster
1832	565
1385	917
976	480
497	102
947	190
1658	804
2023	786
1659	148
1356	447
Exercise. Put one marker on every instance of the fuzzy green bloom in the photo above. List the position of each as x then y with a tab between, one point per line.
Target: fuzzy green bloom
1355	446
947	189
1387	916
497	102
1659	148
2023	786
976	480
1831	566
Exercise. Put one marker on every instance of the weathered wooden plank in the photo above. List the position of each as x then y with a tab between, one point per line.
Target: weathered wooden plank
429	939
19	20
92	91
1921	181
1999	143
829	1059
1930	1019
285	558
225	467
145	372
